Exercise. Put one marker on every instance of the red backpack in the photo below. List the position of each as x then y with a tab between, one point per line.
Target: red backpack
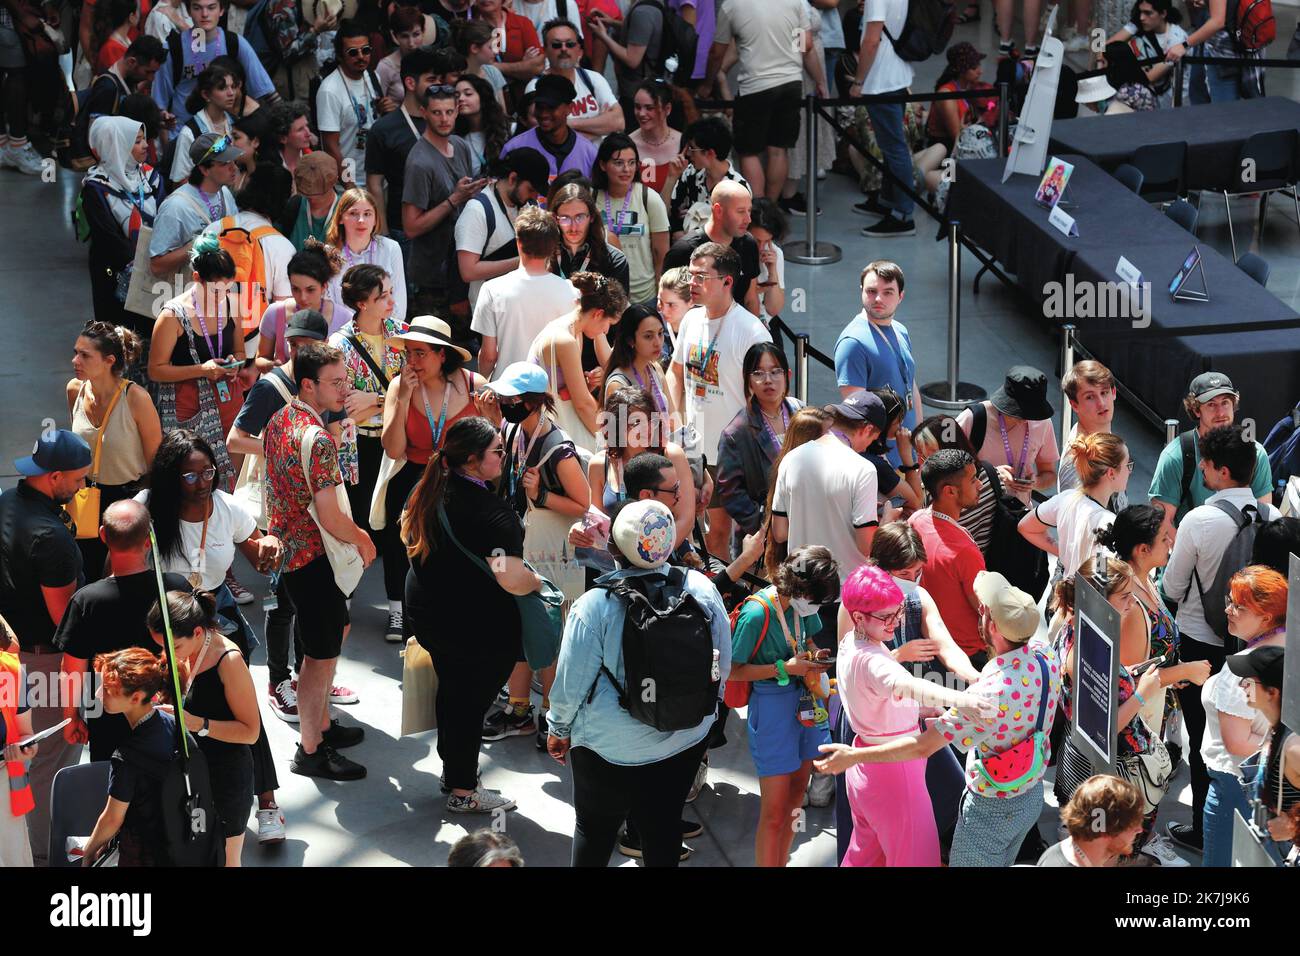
737	691
1252	24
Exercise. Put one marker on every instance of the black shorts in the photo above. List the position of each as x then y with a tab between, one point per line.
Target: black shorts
767	118
321	607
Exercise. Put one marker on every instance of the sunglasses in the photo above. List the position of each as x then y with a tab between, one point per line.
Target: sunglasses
358	51
216	149
564	45
192	477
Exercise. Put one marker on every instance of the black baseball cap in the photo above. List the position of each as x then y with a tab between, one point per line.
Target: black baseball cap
530	166
307	324
862	406
59	450
552	90
1210	385
1263	663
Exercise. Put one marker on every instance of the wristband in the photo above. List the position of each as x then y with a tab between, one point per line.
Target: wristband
1140	699
782	678
907	468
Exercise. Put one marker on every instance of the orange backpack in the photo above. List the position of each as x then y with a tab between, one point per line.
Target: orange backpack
253	292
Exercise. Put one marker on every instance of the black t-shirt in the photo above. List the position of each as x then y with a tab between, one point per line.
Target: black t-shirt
887	479
206	346
679	254
135	777
387	145
36	550
108	616
456	592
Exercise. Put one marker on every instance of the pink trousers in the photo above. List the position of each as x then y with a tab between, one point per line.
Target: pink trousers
893	821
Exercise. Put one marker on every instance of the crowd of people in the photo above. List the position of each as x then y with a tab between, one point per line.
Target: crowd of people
420	287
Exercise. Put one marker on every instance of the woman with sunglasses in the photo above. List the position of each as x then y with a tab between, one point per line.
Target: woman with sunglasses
311	273
213	102
1257	598
657	143
558	349
220	705
196	355
451	594
634	215
771	644
634	358
751	442
582	231
481	121
357	229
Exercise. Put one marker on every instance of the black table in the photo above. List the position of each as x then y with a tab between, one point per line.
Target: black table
1154	363
1213	132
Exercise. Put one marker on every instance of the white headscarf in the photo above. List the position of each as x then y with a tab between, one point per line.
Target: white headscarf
111	139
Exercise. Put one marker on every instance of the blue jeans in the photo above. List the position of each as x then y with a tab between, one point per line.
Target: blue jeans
887	123
1227	793
1213	83
990	831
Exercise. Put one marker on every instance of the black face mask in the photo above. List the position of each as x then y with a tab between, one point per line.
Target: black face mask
515	413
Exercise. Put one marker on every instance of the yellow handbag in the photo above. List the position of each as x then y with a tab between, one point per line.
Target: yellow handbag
84	506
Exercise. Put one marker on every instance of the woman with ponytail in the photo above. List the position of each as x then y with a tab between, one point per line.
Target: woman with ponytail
112	416
1104	466
196	355
220	705
558	349
459	595
311	273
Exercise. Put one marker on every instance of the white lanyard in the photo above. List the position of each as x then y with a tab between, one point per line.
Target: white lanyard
785	628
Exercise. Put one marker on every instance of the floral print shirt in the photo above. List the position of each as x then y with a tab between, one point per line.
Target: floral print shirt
363	379
289	492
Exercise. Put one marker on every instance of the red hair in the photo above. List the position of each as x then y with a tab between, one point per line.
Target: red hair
1262	590
131	670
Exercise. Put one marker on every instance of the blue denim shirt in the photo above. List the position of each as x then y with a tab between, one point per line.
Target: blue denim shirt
593	635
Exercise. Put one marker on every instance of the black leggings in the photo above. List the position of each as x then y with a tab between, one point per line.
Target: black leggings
649	796
1189	698
388	542
13	101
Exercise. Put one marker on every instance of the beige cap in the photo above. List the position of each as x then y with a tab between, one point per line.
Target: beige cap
1013	611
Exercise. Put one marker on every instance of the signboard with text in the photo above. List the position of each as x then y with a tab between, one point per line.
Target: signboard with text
1096	673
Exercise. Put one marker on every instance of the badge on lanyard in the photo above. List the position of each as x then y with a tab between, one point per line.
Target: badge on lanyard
223	391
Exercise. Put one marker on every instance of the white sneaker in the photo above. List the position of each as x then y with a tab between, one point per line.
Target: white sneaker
25	159
1077	43
481	800
1161	849
270	826
701	779
821	790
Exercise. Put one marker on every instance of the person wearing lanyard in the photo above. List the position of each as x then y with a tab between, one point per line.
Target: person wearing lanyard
344	129
1021	402
432	393
635	216
782	667
355	230
634	357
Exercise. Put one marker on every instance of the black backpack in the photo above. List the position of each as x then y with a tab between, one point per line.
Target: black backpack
668	655
1008	552
927	30
1235	557
677	38
169	153
176	55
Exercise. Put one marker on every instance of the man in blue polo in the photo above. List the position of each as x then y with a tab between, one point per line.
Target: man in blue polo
874	350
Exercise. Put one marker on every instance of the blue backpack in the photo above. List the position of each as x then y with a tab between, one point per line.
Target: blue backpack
1283	447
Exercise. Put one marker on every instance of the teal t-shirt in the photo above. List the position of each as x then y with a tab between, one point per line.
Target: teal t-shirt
1167	481
749	626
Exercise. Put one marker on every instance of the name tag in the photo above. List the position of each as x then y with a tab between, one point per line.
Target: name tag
1063	221
1128	272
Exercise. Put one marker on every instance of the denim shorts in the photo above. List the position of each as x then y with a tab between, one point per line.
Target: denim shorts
779	743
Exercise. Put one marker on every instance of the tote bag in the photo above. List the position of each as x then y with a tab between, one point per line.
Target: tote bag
250	488
344	558
419	689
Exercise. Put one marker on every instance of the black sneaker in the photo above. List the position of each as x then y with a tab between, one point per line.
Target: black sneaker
629	844
1186	836
395	632
889	228
796	205
501	724
339	737
691	829
326	762
542	733
870	207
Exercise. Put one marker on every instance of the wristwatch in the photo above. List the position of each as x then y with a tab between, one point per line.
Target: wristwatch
203	731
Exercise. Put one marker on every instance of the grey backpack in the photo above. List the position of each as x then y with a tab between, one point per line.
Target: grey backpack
1235	557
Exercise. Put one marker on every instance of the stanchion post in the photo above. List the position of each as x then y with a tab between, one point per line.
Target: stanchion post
808	251
1067	363
801	365
1171	430
953	393
1004	96
1178	83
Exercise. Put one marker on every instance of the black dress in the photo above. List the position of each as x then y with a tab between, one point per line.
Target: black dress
230	766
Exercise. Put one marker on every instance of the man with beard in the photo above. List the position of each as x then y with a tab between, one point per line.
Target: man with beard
40	569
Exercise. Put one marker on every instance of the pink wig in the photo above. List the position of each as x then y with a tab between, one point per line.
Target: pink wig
870	588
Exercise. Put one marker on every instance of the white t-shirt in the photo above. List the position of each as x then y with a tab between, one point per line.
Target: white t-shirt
764	276
181	162
634	225
764	33
471	231
228	525
826	490
710	353
515	307
594	96
1171	37
1077	519
1222	692
541	11
889	71
337	103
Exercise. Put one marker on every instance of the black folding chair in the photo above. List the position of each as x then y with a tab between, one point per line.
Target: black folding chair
1130	176
1163	169
1256	267
1183	213
1266	164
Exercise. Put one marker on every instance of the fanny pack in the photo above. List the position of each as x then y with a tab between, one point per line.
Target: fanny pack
1014	767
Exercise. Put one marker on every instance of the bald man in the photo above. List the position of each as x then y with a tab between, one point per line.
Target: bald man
107	616
727	224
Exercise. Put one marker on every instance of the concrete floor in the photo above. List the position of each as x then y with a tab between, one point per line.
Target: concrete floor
396	815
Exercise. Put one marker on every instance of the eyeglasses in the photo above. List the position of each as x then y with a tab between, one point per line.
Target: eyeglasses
1232	607
216	149
623	163
581	219
564	44
675	490
890	618
497	451
702	276
693	149
1130	464
766	375
192	477
358	51
421	354
332	382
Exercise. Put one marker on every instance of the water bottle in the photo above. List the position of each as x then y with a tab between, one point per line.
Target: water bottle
670	65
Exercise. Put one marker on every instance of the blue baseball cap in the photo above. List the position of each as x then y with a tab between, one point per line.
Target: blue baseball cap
521	378
59	450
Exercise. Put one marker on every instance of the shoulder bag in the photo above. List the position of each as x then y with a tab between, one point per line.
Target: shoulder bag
250	490
344	558
84	506
1149	771
1012	768
541	618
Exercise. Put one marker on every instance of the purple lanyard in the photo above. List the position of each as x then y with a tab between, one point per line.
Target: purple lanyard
609	210
660	402
221	328
1006	444
478	481
785	423
363	256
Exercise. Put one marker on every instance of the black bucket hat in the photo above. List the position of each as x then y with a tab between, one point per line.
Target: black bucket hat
1023	395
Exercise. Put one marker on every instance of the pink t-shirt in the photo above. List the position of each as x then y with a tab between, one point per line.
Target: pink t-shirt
1043	450
868	675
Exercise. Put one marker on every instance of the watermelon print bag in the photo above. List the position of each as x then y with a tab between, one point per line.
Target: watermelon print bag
1012	768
